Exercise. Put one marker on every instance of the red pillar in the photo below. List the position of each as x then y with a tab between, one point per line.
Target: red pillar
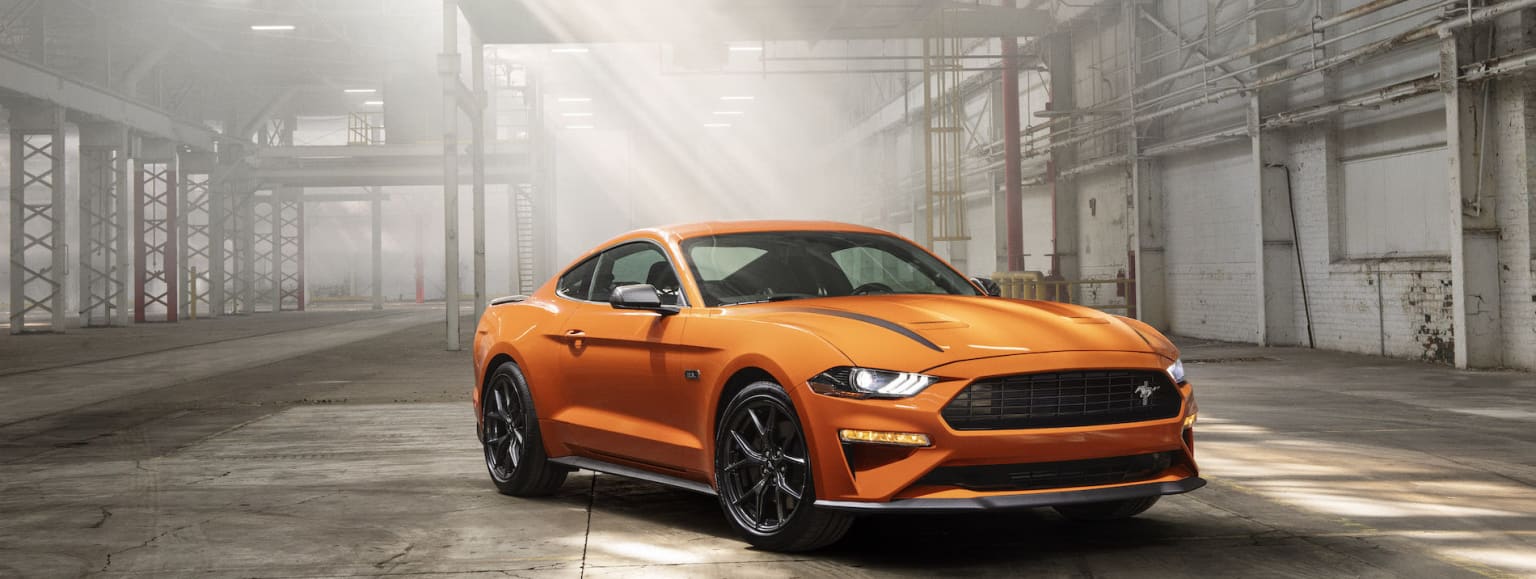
155	238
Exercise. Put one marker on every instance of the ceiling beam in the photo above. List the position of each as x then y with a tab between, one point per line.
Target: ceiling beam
26	80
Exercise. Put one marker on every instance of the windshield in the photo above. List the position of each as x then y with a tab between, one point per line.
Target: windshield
744	268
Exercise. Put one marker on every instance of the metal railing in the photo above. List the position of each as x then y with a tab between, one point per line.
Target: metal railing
1034	285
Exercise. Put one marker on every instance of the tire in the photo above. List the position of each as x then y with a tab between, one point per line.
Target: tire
759	444
1107	511
509	434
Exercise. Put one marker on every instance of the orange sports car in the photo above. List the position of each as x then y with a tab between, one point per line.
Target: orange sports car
807	372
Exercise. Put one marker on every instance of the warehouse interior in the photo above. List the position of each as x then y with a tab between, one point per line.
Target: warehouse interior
248	242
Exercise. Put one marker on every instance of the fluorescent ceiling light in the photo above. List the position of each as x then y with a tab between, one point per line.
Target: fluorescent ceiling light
361	90
569	50
717	125
271	27
578	126
737	98
729	113
575	114
374	103
575	99
746	48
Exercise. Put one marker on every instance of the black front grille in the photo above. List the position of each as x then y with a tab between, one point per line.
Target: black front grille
1048	475
1063	399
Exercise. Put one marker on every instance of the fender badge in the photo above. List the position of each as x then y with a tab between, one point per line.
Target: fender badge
691	374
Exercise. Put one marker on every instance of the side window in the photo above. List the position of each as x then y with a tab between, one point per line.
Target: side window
577	283
635	263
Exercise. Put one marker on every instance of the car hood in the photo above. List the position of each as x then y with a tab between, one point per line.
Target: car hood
918	332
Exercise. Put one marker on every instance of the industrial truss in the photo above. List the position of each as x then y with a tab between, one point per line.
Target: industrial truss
101	231
944	136
197	242
290	251
264	248
155	277
37	221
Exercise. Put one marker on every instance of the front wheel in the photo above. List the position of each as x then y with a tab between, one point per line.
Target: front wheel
1108	511
763	471
509	431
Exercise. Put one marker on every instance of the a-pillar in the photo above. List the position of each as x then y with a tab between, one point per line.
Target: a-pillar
38	211
1274	248
1475	296
195	232
105	226
289	253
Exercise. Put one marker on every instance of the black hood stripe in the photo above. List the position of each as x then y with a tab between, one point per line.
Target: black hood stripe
874	321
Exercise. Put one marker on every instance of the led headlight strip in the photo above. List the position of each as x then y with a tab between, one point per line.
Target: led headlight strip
855	382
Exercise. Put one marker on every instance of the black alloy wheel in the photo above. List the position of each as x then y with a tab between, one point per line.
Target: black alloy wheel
506	431
509	433
763	471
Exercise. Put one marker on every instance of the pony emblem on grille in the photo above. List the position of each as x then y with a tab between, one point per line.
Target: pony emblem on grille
1145	391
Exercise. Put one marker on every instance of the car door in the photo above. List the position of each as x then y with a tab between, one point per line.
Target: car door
622	369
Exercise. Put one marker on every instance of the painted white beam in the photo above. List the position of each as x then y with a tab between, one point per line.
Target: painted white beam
20	78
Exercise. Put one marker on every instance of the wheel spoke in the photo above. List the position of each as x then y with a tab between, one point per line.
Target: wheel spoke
772	426
756	489
783	486
738	464
746	449
778	502
497	440
762	497
795	459
761	430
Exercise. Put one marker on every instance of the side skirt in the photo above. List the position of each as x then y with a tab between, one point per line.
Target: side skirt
634	473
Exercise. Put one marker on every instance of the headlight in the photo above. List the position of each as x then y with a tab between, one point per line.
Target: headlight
866	383
1177	371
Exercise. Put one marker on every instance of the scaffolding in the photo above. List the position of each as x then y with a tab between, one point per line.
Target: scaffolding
944	134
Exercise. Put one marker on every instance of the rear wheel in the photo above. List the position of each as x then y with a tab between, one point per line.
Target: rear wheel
509	432
763	470
1108	511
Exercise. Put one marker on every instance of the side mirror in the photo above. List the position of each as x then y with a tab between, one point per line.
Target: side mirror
987	286
640	296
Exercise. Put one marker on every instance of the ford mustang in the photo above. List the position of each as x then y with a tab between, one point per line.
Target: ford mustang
807	372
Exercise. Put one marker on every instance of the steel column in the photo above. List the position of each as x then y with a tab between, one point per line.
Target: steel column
448	68
39	250
477	170
196	233
1012	154
376	214
1474	236
102	222
264	251
155	280
290	250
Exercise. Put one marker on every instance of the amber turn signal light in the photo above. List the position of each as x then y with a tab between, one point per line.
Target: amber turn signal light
879	437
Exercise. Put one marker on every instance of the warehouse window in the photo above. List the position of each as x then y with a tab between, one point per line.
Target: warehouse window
1394	205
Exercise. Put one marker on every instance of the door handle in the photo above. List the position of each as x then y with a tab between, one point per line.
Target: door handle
575	334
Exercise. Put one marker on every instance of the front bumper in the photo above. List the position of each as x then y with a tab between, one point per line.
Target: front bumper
1018	501
883	478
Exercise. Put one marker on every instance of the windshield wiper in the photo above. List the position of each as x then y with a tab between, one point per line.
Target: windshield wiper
773	298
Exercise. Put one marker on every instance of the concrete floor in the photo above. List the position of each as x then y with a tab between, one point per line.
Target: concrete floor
341	443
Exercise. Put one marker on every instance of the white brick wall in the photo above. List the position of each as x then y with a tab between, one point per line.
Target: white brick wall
1209	250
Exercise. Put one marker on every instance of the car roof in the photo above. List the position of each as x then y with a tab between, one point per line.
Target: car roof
704	228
